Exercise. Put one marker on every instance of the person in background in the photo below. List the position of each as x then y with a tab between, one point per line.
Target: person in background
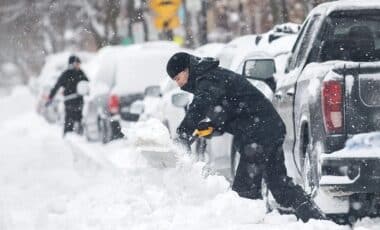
69	81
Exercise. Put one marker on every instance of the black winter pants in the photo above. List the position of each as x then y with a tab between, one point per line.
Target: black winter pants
72	115
266	161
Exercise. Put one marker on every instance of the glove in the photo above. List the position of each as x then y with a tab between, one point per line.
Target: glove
205	129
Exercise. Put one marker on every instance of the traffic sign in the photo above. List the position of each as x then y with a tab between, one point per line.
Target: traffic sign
166	13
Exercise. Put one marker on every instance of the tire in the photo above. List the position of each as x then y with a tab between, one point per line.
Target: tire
310	170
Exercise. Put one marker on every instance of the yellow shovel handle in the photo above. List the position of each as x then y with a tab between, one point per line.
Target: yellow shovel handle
204	132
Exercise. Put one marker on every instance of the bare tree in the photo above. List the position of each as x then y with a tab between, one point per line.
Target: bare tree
31	29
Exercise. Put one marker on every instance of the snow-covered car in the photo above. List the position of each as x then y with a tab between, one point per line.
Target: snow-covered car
210	49
54	65
121	79
162	107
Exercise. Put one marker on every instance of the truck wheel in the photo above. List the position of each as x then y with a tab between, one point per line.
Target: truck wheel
310	171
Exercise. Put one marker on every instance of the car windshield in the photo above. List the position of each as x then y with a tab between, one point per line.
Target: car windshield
352	36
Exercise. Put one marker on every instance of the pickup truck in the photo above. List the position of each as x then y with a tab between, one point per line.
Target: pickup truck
330	91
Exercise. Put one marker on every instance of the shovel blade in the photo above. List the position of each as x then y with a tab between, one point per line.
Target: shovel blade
159	157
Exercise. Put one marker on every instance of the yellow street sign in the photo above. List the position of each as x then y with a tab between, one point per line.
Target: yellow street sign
166	12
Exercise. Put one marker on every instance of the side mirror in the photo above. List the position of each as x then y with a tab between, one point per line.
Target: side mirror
259	69
153	91
180	100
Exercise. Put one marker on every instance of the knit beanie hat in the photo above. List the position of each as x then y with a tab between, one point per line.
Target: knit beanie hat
73	59
177	63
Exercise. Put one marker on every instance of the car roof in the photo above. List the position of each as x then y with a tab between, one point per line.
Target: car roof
342	5
258	54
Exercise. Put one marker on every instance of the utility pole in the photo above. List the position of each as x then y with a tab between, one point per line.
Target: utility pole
203	22
189	39
284	11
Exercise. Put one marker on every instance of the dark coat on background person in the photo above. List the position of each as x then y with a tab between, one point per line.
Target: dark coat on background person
69	81
237	107
73	107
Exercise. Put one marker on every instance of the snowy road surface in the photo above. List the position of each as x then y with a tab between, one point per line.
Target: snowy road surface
47	182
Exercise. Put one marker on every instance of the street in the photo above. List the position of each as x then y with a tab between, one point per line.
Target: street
48	182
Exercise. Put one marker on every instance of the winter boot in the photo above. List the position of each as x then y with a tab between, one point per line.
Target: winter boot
309	210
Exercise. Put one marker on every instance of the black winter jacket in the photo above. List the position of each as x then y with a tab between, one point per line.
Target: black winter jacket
231	102
69	81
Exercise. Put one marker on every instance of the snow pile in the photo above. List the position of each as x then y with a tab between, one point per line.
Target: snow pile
50	183
18	102
367	224
150	132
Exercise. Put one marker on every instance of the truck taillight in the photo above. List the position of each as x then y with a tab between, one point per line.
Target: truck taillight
113	104
332	106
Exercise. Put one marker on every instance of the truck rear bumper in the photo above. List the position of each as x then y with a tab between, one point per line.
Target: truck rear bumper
351	174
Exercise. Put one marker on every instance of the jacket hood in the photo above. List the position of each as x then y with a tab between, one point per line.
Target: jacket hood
197	68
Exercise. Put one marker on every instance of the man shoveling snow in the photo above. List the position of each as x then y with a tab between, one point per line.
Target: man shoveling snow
239	108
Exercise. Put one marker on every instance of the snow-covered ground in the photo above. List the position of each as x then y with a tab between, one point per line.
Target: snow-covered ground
47	182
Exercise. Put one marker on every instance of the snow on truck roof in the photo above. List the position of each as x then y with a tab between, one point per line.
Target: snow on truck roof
329	7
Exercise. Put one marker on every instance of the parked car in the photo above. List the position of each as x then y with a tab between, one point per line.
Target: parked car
329	93
121	79
161	106
210	49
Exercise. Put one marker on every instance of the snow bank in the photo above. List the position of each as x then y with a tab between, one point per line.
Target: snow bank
44	186
367	224
18	102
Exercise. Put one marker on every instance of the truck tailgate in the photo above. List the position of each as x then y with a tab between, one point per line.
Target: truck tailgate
362	98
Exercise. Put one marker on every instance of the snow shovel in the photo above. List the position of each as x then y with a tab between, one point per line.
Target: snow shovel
201	134
165	157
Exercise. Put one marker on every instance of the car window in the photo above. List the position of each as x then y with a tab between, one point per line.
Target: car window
306	41
351	36
296	46
300	48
